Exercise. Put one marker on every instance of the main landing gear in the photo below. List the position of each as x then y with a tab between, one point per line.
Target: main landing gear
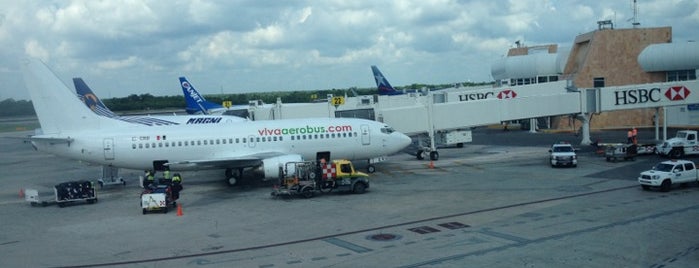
233	176
421	154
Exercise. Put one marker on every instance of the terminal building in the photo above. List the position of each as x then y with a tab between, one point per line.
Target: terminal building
608	57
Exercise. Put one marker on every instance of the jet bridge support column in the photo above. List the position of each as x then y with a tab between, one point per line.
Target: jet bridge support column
656	123
585	129
664	123
532	125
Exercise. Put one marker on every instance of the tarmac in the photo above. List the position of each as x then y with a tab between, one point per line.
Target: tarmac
496	202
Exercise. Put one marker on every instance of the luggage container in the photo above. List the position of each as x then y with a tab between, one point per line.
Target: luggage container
64	193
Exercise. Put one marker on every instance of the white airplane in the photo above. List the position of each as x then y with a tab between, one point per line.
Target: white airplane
71	130
96	105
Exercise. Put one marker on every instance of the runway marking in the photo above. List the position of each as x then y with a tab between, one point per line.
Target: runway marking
9	242
347	245
487	231
551	237
424	230
454	225
677	257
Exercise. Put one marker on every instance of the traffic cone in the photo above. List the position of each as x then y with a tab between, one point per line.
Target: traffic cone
21	192
431	164
179	209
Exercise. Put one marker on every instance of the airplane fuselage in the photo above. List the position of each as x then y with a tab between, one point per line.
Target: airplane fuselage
138	147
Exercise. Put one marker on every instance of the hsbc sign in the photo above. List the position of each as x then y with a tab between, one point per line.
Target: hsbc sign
475	96
505	94
645	95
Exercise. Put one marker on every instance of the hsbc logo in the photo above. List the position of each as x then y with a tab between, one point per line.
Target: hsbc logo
677	93
507	94
645	95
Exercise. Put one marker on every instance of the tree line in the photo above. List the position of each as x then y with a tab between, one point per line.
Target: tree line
147	102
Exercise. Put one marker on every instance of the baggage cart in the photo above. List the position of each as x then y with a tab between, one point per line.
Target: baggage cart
75	191
621	152
159	198
64	193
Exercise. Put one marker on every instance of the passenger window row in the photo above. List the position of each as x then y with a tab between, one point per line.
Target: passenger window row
165	144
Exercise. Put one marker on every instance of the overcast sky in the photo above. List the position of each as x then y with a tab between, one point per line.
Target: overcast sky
135	47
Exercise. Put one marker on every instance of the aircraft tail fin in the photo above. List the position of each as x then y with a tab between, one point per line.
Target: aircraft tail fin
91	100
57	108
195	101
382	84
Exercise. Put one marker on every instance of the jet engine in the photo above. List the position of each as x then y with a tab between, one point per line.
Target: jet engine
275	167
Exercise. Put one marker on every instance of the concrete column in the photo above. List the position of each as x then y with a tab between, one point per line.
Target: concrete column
585	131
532	125
656	123
664	123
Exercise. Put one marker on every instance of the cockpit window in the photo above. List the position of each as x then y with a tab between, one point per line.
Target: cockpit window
387	130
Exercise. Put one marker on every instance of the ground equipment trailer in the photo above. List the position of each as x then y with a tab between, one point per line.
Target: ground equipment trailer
64	194
310	177
625	151
622	151
160	197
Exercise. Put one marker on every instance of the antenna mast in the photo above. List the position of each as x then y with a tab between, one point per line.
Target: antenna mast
634	20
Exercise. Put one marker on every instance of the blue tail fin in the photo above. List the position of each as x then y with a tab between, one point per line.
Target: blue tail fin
96	105
195	101
384	87
90	99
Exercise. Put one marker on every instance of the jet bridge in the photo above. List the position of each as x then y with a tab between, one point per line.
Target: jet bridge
652	95
432	118
440	115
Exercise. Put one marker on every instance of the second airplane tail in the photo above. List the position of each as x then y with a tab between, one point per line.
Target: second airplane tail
90	99
384	87
195	101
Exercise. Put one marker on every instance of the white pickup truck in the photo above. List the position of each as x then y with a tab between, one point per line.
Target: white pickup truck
563	154
667	173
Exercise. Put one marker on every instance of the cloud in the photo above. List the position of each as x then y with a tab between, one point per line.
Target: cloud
32	48
118	64
281	45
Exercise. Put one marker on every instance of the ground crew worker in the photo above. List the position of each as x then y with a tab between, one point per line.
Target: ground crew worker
177	178
166	174
148	178
176	186
629	136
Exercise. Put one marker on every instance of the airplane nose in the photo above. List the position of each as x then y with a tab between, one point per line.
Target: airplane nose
403	141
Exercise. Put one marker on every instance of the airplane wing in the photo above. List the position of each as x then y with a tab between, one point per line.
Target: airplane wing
250	160
52	140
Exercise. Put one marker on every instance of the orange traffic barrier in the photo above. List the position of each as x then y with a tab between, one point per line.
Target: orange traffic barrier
431	164
179	209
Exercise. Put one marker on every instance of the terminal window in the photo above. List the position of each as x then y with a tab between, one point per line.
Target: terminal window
681	75
598	82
